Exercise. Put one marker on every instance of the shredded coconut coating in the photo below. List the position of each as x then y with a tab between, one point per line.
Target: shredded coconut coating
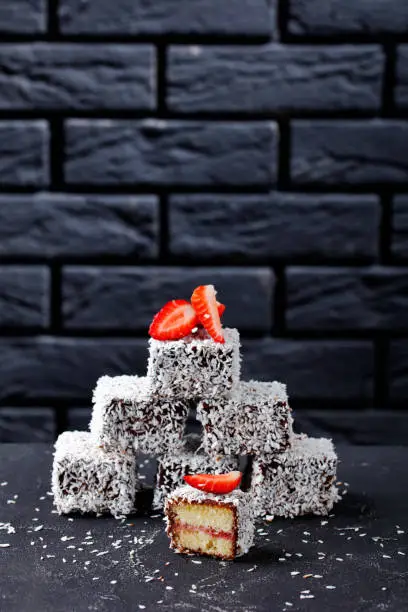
126	414
255	419
299	481
87	479
191	459
244	508
196	366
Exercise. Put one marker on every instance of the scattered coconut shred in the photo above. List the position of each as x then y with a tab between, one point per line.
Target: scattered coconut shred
82	551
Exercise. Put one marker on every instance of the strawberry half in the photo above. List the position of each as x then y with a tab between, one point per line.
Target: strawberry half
205	305
174	321
221	309
214	483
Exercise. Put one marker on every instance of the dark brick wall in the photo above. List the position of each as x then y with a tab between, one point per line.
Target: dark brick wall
147	146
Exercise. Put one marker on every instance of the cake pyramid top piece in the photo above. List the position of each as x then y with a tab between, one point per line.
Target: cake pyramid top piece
194	367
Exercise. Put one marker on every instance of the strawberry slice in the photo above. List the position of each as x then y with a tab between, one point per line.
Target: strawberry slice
221	309
214	483
205	305
174	321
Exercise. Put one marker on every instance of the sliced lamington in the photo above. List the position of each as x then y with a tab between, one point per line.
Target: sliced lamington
191	459
255	419
87	479
195	366
299	481
207	524
126	414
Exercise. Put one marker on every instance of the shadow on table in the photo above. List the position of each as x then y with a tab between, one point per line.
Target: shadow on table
355	505
261	556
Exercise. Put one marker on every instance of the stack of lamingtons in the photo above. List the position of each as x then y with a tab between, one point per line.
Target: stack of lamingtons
96	471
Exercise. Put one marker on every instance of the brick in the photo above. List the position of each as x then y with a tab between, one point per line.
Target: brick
398	370
49	368
399	229
104	298
24	296
166	17
282	226
349	152
78	419
333	17
24	153
274	78
27	425
170	153
77	76
302	424
325	370
49	225
401	77
23	17
347	298
368	427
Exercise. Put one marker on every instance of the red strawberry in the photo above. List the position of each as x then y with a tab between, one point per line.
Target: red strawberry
174	321
205	305
214	483
221	309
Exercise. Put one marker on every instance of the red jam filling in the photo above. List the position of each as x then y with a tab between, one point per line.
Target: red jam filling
215	533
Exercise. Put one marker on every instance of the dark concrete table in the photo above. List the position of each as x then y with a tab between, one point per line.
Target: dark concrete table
355	560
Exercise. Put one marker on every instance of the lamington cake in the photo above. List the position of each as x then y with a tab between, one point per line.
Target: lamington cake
195	366
193	358
210	524
191	459
87	479
127	414
298	481
255	419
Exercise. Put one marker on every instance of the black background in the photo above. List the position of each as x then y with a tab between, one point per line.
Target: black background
148	147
